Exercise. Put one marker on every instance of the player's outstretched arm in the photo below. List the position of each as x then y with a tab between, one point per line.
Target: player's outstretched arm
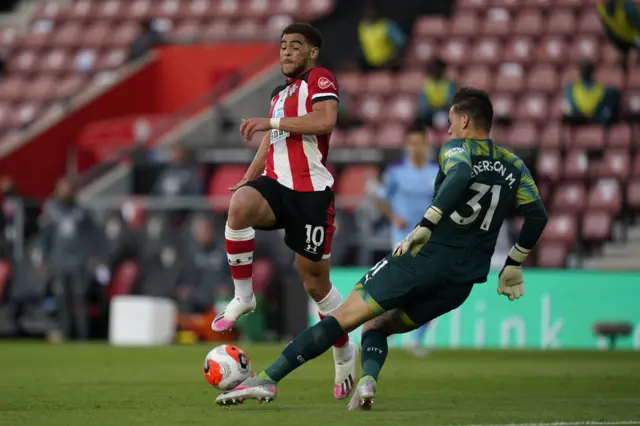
529	205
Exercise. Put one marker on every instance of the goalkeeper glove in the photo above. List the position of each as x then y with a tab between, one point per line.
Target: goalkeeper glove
510	282
421	233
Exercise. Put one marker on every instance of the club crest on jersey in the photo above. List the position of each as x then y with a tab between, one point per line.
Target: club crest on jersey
325	83
292	90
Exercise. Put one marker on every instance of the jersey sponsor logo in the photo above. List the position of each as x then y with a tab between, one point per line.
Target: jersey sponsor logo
279	136
325	83
455	151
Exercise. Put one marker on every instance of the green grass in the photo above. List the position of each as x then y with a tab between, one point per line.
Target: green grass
92	385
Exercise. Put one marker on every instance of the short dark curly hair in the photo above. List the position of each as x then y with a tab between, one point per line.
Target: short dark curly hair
308	31
476	104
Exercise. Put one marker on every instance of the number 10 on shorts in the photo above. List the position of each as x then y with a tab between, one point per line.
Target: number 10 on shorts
315	238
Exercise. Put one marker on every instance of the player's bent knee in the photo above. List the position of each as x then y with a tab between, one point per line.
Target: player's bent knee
243	208
353	313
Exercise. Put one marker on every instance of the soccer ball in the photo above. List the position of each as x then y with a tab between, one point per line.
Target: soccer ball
226	366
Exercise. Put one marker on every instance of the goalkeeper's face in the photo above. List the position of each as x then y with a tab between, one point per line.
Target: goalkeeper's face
296	55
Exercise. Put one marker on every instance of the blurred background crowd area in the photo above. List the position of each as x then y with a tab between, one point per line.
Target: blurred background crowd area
119	138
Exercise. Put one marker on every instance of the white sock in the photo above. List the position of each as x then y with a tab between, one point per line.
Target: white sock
330	303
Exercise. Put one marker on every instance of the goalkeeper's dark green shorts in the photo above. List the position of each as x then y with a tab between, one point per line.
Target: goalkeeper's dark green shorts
414	285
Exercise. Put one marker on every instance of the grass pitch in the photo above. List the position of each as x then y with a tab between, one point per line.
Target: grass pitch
98	385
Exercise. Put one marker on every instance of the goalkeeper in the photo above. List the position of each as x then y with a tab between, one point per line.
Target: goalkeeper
436	266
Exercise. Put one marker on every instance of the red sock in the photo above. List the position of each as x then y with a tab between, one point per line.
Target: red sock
341	341
240	245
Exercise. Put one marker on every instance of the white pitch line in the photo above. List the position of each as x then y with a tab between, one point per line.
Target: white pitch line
586	423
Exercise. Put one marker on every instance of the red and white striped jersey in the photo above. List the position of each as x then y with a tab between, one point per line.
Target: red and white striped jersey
294	160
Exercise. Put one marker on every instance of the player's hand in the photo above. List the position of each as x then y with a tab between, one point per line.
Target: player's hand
413	242
252	125
510	282
237	186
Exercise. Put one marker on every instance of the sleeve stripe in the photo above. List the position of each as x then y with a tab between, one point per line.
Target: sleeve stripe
319	95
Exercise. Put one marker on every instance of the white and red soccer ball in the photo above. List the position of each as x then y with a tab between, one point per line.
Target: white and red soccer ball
226	366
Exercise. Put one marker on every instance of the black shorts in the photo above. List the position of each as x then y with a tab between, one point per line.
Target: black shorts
415	286
306	217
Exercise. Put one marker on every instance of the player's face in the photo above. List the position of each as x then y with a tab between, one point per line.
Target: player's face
458	124
296	54
416	146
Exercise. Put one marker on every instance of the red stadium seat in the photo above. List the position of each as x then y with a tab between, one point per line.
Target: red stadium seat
551	255
503	104
410	82
139	9
552	136
552	50
561	228
314	9
371	108
596	226
403	109
48	10
529	22
533	106
390	136
573	4
591	137
519	50
42	89
338	138
523	135
124	279
187	30
589	23
70	86
5	116
379	83
606	195
56	61
80	11
455	52
543	78
8	38
539	4
362	137
633	80
227	9
633	194
619	136
352	83
25	113
109	10
431	26
124	34
167	9
23	63
69	35
352	186
506	4
486	51
585	49
576	165
510	78
12	88
549	165
222	179
473	5
561	22
194	9
569	198
610	77
497	23
98	35
477	76
112	59
615	164
465	24
422	51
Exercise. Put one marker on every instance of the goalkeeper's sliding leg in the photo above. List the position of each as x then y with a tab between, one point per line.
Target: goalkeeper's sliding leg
393	284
